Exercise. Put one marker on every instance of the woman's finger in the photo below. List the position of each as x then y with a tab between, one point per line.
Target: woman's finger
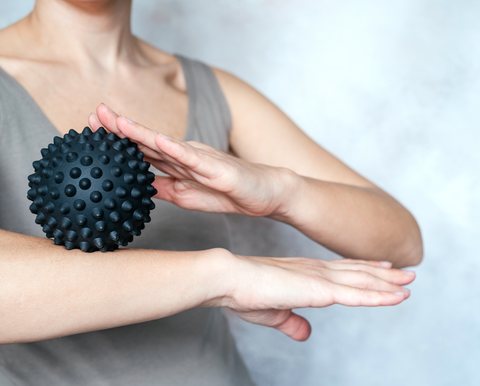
187	156
286	321
109	123
383	264
180	171
395	276
360	279
201	146
354	297
296	327
169	188
206	162
149	153
137	132
145	138
108	118
165	187
93	122
173	170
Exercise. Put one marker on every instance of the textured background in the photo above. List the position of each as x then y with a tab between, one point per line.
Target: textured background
393	89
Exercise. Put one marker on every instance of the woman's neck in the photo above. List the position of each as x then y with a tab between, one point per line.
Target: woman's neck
94	34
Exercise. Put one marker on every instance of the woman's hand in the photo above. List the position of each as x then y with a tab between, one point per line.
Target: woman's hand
351	217
201	177
264	290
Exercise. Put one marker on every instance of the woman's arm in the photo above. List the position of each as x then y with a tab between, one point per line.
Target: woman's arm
325	199
48	292
353	221
329	203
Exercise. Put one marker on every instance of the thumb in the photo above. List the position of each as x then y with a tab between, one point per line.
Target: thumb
165	188
296	327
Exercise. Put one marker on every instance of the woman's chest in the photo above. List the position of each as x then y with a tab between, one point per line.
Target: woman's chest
67	96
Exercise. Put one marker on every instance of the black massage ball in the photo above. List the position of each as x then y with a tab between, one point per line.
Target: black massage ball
91	191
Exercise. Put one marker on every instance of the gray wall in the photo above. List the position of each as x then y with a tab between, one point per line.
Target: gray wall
393	89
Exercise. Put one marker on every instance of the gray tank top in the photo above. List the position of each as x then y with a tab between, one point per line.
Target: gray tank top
194	347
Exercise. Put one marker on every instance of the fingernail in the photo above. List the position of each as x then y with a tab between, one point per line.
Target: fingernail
407	272
127	119
406	291
385	264
108	107
95	116
399	293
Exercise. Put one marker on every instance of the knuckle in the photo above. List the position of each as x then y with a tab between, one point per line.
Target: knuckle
361	292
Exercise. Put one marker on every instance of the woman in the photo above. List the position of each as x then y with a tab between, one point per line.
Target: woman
142	315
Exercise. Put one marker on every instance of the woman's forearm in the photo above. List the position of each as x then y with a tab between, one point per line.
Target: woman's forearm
355	222
47	291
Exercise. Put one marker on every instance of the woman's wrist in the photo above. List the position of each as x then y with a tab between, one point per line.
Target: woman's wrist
218	268
289	186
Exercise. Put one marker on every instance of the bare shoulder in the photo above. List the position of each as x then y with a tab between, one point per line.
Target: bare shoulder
250	108
263	133
247	103
255	118
236	88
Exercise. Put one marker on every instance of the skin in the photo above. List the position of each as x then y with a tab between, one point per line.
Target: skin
277	171
205	179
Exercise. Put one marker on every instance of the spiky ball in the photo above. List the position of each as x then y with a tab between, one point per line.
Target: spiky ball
91	191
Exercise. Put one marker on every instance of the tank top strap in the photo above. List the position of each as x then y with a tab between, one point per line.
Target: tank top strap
209	118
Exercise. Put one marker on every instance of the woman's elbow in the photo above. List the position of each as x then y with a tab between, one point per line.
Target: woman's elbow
411	250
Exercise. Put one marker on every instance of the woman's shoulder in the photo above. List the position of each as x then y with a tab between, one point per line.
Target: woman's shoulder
228	81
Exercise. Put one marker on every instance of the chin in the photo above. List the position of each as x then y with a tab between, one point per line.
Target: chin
91	1
94	2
